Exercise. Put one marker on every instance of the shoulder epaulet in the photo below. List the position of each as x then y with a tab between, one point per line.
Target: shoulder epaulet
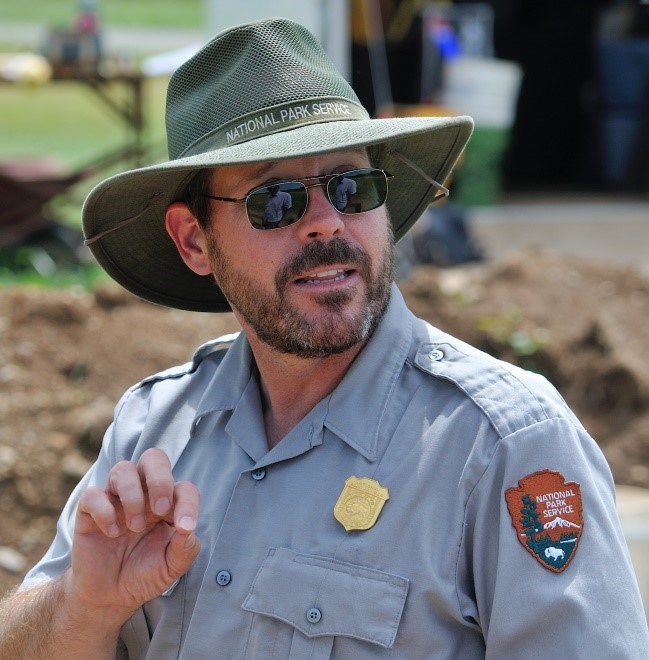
509	396
215	348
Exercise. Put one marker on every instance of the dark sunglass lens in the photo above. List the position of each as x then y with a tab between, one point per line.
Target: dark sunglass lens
278	205
358	191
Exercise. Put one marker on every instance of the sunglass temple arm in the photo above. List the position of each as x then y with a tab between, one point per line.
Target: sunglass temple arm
438	186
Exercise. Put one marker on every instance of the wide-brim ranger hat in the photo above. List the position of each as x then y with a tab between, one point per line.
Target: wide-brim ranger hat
264	91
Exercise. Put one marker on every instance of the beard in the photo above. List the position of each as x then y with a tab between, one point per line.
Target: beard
286	328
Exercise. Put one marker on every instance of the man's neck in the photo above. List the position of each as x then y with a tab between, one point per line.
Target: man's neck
291	386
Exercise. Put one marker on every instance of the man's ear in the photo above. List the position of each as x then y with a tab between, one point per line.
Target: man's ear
189	237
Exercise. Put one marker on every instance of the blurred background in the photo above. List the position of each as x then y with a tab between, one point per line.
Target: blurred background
559	92
540	256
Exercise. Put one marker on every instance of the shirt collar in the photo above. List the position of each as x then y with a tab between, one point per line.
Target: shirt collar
357	406
231	377
355	409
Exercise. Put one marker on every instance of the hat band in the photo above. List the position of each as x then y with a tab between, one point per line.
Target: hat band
277	118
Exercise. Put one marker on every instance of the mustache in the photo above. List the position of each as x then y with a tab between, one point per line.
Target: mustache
318	254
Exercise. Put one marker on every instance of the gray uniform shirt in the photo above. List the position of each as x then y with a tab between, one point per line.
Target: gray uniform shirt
442	573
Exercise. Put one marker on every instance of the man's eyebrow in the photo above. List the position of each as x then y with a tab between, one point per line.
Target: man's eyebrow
262	169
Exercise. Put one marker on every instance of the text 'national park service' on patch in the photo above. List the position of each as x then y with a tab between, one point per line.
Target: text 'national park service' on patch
546	512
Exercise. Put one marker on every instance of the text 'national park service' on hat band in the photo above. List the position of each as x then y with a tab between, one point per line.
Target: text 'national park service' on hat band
279	118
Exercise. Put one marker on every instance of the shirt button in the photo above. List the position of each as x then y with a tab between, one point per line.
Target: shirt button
436	355
223	578
313	615
259	474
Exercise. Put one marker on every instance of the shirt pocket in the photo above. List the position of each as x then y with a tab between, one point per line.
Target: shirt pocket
134	638
162	615
322	598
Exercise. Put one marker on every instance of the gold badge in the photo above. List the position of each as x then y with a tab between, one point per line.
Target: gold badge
360	503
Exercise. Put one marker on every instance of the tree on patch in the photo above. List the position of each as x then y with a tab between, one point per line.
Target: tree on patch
530	521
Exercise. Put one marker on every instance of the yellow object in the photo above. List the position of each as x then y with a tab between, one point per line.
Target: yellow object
25	68
360	503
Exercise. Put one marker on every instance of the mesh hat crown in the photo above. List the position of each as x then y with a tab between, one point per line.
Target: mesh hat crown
263	91
255	79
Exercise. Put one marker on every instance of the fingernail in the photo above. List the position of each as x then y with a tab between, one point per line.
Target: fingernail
138	523
113	530
187	522
189	542
161	506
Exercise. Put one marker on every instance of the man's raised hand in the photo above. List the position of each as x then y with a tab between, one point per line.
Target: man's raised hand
133	539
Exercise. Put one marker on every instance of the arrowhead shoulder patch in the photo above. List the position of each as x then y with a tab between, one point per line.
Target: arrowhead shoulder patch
546	512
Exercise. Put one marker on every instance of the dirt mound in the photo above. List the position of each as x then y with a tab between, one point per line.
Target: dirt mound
67	356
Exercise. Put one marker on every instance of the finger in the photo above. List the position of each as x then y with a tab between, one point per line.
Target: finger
182	550
186	507
155	470
125	484
96	510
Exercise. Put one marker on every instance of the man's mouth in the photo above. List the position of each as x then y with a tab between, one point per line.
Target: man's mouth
325	276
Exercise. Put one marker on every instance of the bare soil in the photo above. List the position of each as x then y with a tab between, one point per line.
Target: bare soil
67	356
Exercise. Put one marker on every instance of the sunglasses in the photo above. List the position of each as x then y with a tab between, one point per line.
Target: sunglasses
284	203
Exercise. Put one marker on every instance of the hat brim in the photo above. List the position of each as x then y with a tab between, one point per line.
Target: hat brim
123	217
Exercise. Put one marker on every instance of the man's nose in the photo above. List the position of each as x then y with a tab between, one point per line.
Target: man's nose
321	220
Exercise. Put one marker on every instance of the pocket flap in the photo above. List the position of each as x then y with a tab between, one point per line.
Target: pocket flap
352	600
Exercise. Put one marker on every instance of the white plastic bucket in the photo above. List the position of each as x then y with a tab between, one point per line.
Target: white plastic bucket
484	88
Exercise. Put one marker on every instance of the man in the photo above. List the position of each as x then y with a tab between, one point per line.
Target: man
278	203
344	189
369	487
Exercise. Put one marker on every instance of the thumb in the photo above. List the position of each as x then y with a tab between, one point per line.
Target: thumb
182	550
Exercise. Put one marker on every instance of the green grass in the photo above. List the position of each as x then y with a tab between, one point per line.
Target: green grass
185	14
66	123
86	277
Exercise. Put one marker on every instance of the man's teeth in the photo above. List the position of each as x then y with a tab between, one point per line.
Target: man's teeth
327	275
